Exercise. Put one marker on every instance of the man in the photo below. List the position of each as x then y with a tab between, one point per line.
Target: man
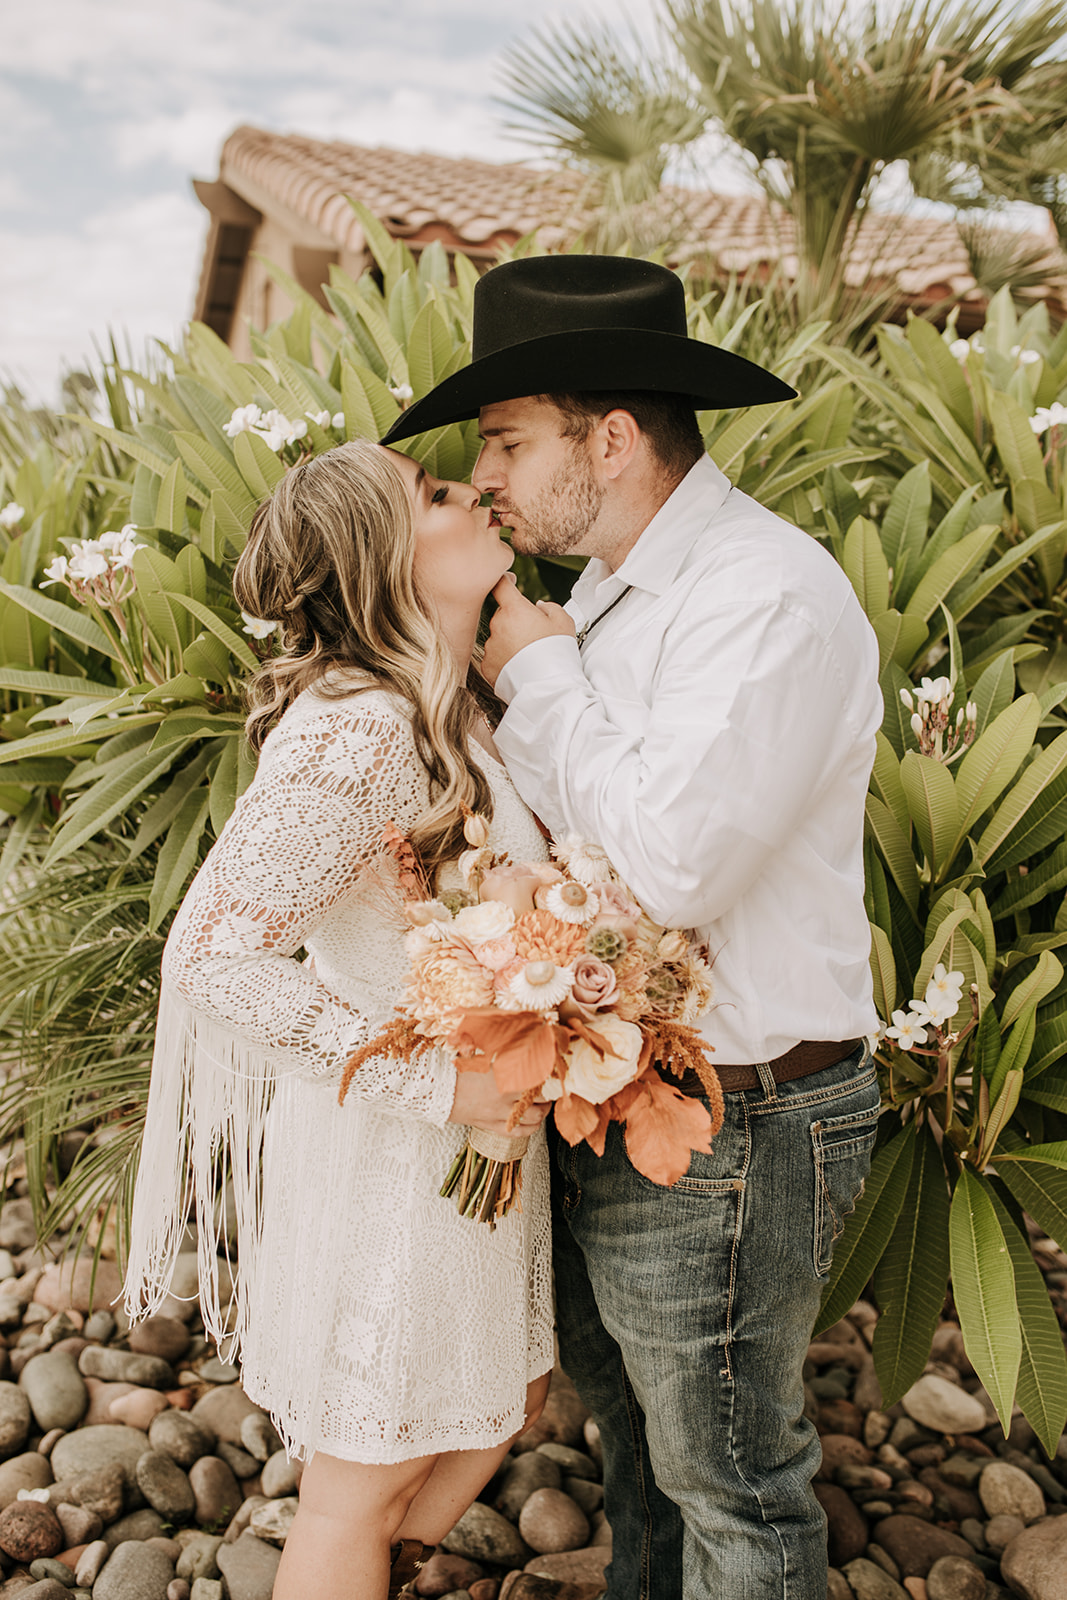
704	709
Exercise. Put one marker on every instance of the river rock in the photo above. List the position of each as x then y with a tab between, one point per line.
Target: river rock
138	1408
56	1570
99	1326
868	1581
249	1566
17	1231
1011	1492
525	1474
29	1471
29	1529
846	1528
571	1566
280	1477
45	1589
915	1545
175	1434
952	1579
125	1366
1001	1530
102	1491
90	1563
482	1534
164	1337
259	1436
206	1589
223	1410
944	1407
841	1450
550	1521
88	1449
573	1462
71	1284
165	1487
443	1574
15	1418
102	1396
1036	1559
199	1557
135	1571
139	1526
273	1519
562	1421
55	1390
240	1463
79	1524
215	1489
590	1496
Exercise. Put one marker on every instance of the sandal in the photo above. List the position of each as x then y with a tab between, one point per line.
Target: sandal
408	1559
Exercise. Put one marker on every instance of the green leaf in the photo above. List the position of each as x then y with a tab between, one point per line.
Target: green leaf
258	466
178	856
1028	995
868	1228
1040	1189
948	570
896	850
883	972
1016	441
64	619
107	799
1010	834
983	1287
214	624
1052	1155
899	638
866	567
159	816
912	1275
215	472
905	525
54	683
932	803
995	757
1042	1387
224	783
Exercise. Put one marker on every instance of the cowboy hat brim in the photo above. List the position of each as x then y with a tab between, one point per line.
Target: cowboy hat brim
594	360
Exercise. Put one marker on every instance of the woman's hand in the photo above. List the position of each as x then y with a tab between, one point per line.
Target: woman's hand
480	1104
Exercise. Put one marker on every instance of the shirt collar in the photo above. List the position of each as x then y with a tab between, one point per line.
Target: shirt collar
657	557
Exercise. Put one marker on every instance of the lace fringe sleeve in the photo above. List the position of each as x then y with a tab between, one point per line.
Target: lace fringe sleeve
237	1009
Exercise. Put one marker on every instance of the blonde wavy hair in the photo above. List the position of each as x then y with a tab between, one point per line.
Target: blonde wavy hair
330	556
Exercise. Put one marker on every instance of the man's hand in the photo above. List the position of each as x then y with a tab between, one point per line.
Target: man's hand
516	623
480	1104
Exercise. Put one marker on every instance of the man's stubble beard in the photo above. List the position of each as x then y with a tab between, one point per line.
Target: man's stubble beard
562	514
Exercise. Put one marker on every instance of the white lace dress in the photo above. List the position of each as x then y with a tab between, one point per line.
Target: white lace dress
370	1319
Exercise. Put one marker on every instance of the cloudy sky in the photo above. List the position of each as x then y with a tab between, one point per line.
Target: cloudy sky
108	108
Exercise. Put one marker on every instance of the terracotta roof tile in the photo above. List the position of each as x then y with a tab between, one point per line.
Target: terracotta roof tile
477	205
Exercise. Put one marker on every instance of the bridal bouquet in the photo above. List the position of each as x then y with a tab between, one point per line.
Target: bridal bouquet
551	976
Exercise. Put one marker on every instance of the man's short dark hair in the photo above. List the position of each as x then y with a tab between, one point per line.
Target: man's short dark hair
668	421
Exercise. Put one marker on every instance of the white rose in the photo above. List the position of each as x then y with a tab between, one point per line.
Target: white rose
595	1077
490	919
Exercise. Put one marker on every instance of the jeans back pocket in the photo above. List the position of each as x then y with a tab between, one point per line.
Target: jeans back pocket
841	1147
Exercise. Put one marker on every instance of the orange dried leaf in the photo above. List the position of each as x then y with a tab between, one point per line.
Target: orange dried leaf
663	1128
578	1119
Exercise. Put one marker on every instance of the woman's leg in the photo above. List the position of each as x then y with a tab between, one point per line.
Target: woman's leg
348	1517
351	1513
459	1476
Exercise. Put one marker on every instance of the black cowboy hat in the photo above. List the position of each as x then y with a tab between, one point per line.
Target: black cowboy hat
562	324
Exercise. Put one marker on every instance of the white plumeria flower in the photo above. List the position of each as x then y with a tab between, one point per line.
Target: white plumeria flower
321	418
934	690
1024	356
943	992
960	349
88	560
1046	417
243	420
402	392
978	344
257	627
55	572
907	699
907	1029
11	515
121	546
337	420
277	430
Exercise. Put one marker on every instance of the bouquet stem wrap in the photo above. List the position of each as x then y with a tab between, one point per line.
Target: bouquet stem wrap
486	1177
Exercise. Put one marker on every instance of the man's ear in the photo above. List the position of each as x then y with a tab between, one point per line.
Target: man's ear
618	442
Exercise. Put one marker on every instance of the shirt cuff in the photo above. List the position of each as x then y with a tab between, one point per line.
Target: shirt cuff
556	656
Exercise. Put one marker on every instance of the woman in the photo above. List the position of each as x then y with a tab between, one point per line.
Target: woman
399	1347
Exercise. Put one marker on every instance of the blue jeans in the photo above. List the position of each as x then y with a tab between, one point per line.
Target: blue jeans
684	1319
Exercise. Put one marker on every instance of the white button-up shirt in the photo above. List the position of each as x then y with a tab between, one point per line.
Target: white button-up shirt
715	735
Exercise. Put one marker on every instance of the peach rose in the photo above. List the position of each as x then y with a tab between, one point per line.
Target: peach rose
513	886
595	983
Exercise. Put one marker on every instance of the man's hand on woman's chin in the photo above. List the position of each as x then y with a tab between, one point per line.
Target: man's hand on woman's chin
516	623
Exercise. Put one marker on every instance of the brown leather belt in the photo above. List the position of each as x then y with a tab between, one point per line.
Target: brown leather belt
805	1058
